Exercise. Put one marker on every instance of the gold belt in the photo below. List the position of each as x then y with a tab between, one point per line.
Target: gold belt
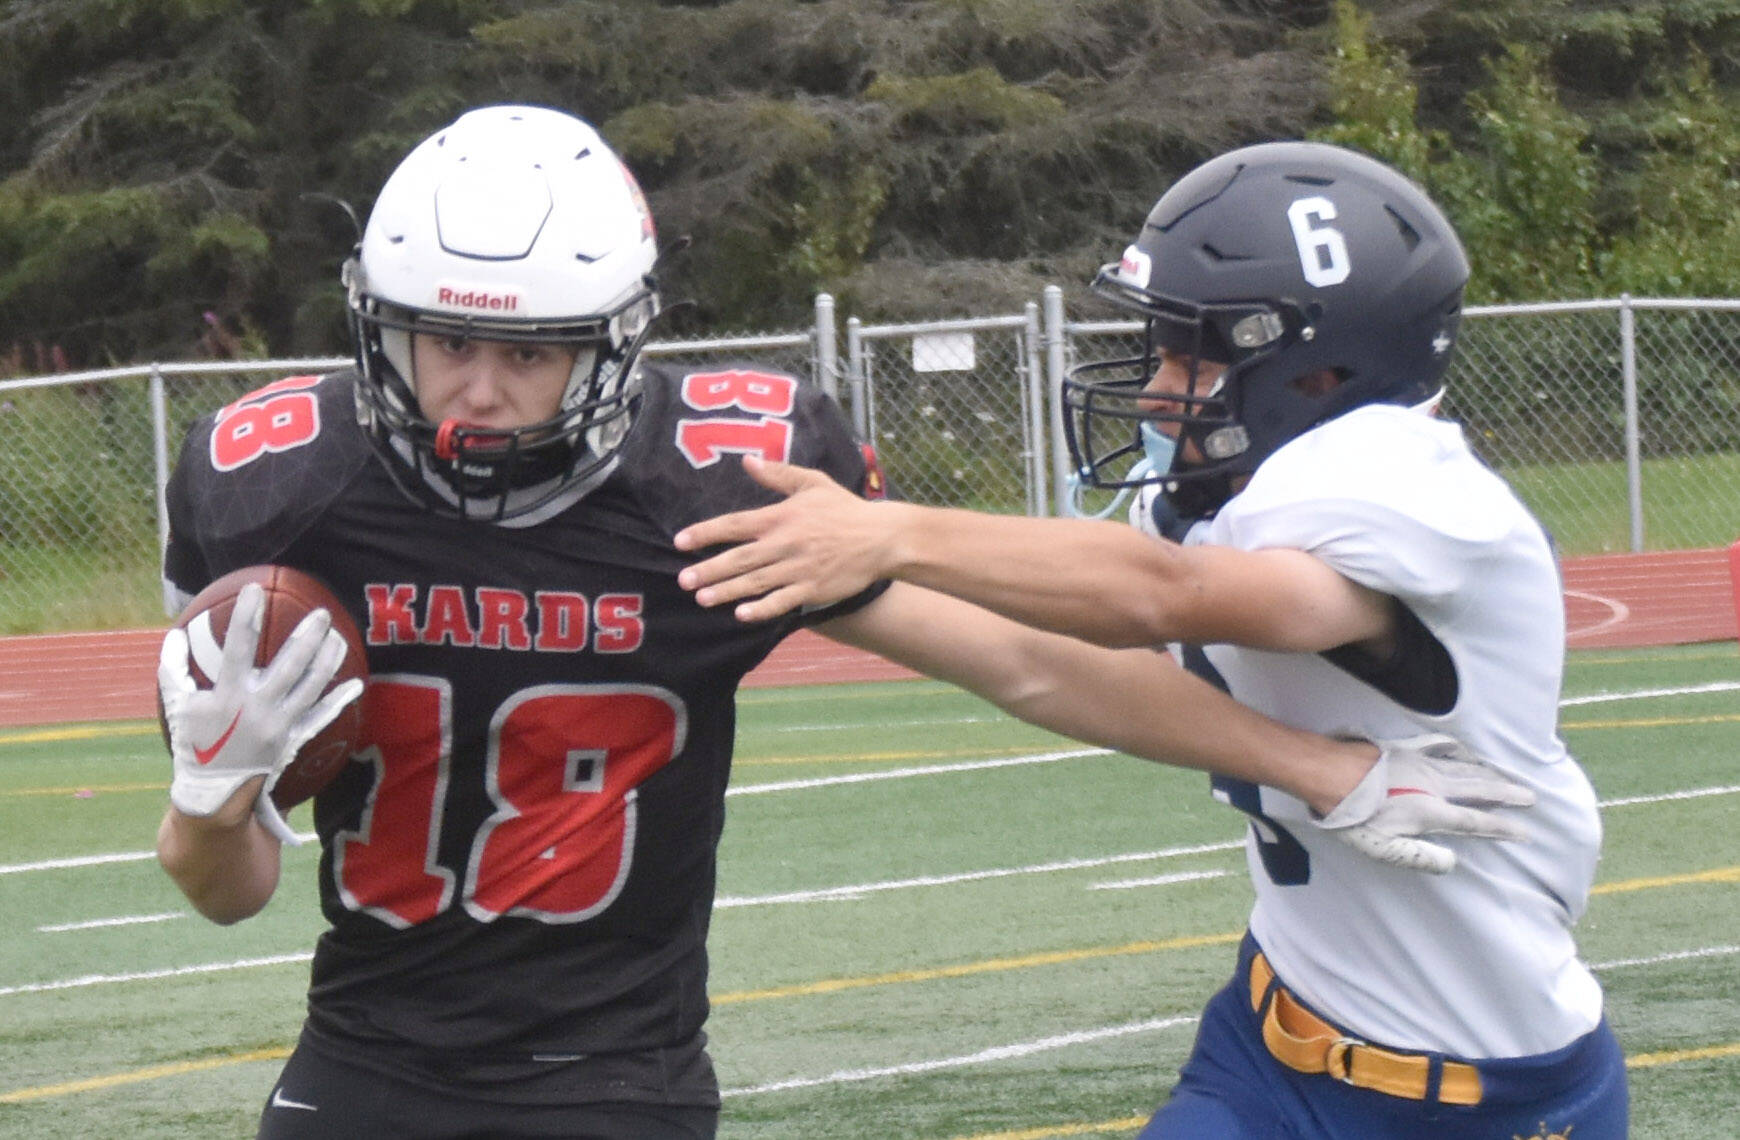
1304	1042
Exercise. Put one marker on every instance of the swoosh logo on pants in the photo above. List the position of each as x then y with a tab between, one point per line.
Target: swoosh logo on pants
279	1100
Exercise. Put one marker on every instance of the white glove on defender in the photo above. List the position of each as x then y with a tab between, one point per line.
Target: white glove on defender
1425	785
252	721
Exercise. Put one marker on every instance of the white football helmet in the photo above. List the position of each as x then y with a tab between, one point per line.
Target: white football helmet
515	224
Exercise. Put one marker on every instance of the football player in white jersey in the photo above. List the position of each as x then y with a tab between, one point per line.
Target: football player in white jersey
1324	548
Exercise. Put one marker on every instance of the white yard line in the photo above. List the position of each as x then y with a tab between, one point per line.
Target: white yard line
995	1053
920	770
858	890
1646	694
153	975
1670	956
1160	880
125	920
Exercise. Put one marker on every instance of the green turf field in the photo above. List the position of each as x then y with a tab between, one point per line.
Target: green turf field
912	939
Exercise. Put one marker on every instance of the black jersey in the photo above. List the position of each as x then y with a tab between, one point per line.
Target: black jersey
518	869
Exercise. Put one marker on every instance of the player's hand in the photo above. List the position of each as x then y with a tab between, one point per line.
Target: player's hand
252	721
819	545
1425	785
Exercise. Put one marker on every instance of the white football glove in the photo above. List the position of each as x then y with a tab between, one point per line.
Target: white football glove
1425	785
252	721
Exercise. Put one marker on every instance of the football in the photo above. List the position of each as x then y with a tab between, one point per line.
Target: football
290	596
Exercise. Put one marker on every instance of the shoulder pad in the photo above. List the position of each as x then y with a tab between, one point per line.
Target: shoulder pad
695	424
260	470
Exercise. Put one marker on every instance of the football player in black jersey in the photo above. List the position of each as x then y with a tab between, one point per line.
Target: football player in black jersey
518	869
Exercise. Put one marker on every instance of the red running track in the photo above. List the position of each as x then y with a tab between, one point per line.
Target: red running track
1611	601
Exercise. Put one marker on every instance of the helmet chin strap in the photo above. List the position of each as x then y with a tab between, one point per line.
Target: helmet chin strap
1429	406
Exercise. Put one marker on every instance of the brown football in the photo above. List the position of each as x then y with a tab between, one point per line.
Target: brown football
290	595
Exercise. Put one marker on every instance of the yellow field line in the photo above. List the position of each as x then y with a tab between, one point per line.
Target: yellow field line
159	786
875	757
1717	875
1677	1056
1651	722
1722	654
91	1084
1128	1124
969	969
80	732
909	687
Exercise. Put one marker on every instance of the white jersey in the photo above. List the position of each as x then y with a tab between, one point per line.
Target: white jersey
1479	963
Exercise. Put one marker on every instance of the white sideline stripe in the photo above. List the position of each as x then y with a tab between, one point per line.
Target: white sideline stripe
996	1053
925	770
1160	880
825	893
1671	956
1645	694
96	860
128	920
152	975
1663	797
76	861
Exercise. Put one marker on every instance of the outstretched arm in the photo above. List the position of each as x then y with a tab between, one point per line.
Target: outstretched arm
1100	581
1137	701
1140	702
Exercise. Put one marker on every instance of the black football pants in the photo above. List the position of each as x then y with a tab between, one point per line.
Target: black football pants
320	1098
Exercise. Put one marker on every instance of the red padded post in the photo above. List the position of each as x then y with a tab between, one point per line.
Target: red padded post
1734	570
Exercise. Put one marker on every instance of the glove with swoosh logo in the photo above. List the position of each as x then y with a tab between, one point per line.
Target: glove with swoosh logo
253	720
1426	785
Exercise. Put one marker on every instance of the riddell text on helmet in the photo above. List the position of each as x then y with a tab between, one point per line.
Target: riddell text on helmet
476	299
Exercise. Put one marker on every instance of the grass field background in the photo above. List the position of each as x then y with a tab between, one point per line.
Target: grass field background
934	922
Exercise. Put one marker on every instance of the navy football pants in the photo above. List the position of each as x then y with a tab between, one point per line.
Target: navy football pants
1230	1088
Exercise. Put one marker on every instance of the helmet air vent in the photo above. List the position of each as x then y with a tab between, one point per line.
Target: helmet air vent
1410	235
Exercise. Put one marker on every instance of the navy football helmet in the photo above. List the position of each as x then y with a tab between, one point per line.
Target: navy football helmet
1282	261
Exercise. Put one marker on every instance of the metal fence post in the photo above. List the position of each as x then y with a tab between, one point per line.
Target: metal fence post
1054	333
160	460
1035	456
1633	458
855	378
827	346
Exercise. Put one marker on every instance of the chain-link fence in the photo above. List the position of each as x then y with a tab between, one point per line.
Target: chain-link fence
1618	422
956	409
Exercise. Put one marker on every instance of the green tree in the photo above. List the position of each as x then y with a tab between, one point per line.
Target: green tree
1530	214
1685	238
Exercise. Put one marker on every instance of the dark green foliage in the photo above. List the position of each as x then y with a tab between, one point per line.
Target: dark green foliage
157	157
